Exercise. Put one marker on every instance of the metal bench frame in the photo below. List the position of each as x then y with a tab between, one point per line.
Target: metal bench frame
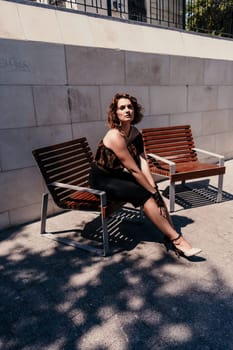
65	169
171	152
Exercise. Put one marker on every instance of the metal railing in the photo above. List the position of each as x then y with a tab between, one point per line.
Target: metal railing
167	13
213	17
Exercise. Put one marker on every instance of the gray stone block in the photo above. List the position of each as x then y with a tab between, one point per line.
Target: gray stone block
195	71
202	98
94	132
16	145
4	219
24	62
17	108
178	70
225	94
31	212
224	144
84	103
214	122
168	99
193	119
218	72
51	105
154	121
144	68
186	70
206	142
94	65
20	188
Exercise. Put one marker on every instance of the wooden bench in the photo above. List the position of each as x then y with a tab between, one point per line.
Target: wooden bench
65	168
171	152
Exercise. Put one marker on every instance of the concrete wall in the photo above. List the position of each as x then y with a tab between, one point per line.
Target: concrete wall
54	88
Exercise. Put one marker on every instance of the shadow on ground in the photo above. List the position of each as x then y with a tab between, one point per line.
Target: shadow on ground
63	298
197	194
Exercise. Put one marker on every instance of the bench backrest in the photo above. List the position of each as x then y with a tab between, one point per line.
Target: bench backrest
67	162
173	142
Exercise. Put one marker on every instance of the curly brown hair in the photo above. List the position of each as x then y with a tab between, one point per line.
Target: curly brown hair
113	121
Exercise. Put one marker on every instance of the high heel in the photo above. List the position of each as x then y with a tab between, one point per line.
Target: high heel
179	250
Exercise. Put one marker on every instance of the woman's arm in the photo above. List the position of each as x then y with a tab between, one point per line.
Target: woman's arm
146	170
116	142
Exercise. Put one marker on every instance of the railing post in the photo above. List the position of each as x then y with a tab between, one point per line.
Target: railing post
109	6
184	15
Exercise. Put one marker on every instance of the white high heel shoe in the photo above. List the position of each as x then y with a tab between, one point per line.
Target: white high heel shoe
182	251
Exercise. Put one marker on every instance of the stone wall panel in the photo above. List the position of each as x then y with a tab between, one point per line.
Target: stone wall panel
186	70
84	103
225	97
218	72
94	66
168	99
23	62
202	98
51	105
17	108
20	188
16	145
94	132
193	119
144	68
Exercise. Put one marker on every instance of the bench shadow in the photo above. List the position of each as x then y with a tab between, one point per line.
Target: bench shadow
196	194
126	230
123	227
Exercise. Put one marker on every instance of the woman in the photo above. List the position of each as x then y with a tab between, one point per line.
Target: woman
121	169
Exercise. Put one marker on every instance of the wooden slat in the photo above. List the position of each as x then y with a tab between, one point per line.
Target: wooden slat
49	158
69	163
175	143
64	171
59	158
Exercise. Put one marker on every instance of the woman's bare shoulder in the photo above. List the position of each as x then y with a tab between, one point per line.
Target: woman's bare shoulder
112	134
113	137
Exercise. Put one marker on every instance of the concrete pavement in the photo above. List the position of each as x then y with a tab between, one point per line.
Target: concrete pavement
55	297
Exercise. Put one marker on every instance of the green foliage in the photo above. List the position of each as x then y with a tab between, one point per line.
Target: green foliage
210	16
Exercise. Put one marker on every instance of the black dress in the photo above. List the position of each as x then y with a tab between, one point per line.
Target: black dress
108	174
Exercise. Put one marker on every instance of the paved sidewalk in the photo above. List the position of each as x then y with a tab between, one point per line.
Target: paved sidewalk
53	297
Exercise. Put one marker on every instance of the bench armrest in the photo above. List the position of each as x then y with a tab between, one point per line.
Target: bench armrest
172	165
102	194
219	156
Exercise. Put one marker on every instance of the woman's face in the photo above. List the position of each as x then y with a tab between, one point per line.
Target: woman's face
125	110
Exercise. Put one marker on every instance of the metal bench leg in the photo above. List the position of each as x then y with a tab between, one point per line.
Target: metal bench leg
220	185
141	215
44	208
172	196
105	236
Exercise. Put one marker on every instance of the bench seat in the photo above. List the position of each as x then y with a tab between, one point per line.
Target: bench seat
171	152
65	169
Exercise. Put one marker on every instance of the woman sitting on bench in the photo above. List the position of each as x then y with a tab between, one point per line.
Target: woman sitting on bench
120	168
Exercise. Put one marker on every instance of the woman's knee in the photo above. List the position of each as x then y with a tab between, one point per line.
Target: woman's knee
150	205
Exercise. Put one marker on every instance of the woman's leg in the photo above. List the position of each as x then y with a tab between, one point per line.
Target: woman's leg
164	224
166	214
